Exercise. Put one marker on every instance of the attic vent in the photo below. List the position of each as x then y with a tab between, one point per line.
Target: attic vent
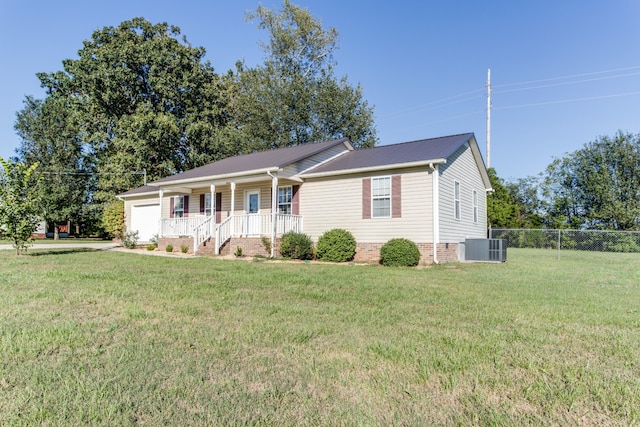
486	250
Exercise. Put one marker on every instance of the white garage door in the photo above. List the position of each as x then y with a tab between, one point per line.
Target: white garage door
145	219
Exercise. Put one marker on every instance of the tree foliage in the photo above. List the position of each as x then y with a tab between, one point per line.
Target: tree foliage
144	100
294	97
49	135
502	211
20	210
113	219
597	186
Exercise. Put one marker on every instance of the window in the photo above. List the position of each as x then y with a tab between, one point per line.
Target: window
207	204
178	206
456	199
381	197
475	207
285	195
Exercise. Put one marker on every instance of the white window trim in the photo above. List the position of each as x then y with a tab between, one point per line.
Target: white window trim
208	210
247	194
474	203
457	206
290	203
390	196
175	206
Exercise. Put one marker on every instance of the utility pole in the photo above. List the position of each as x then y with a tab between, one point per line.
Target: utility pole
489	118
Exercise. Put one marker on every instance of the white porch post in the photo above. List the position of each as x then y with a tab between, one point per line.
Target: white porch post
161	192
435	206
274	211
212	189
233	207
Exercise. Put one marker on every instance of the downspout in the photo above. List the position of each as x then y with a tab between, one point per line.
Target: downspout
435	209
212	190
161	195
274	208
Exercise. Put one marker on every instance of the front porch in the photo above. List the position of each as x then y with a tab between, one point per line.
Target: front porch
199	231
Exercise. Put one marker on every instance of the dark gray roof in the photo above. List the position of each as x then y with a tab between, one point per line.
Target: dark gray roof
406	152
141	190
261	160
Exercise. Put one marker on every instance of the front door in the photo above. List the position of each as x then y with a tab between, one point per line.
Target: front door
252	208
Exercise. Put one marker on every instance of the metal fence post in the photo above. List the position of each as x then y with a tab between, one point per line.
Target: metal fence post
559	232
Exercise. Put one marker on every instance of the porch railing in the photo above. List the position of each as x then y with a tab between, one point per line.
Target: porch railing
180	227
202	228
203	231
253	225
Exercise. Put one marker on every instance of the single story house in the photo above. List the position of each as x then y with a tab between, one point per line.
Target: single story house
431	191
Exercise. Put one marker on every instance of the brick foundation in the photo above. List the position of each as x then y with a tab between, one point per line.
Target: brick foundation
447	252
176	242
252	246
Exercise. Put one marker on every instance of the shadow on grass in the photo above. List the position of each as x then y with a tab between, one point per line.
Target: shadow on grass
42	252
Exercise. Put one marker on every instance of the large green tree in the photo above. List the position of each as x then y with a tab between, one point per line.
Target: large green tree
146	100
597	186
20	207
294	97
502	211
50	135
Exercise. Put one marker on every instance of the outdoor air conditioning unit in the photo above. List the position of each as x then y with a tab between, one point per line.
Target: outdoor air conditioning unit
485	250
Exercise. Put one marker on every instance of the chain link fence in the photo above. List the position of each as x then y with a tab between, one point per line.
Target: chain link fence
577	240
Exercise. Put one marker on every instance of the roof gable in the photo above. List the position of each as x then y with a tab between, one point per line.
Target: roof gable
424	150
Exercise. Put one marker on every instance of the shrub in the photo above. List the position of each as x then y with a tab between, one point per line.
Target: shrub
266	242
113	219
399	253
169	248
130	240
337	245
296	245
238	252
151	247
184	249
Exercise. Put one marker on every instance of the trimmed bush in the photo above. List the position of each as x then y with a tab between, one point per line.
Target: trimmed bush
130	240
169	248
296	245
399	253
337	245
113	219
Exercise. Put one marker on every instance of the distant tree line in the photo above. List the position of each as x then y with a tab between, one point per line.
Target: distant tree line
139	97
596	187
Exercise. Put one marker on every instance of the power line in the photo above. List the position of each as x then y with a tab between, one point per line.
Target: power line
142	172
569	77
443	102
440	101
563	101
568	83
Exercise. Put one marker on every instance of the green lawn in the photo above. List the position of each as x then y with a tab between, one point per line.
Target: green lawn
112	338
70	240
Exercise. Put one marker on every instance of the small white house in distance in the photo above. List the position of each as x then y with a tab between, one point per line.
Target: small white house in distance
431	191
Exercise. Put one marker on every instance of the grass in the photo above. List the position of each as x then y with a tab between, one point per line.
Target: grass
111	338
69	240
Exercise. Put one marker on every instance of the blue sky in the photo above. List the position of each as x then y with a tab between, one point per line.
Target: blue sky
563	72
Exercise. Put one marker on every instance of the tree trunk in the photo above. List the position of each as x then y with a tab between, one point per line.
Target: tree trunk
56	232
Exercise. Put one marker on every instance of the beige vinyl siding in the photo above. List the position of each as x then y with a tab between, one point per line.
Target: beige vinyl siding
336	202
461	167
312	161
